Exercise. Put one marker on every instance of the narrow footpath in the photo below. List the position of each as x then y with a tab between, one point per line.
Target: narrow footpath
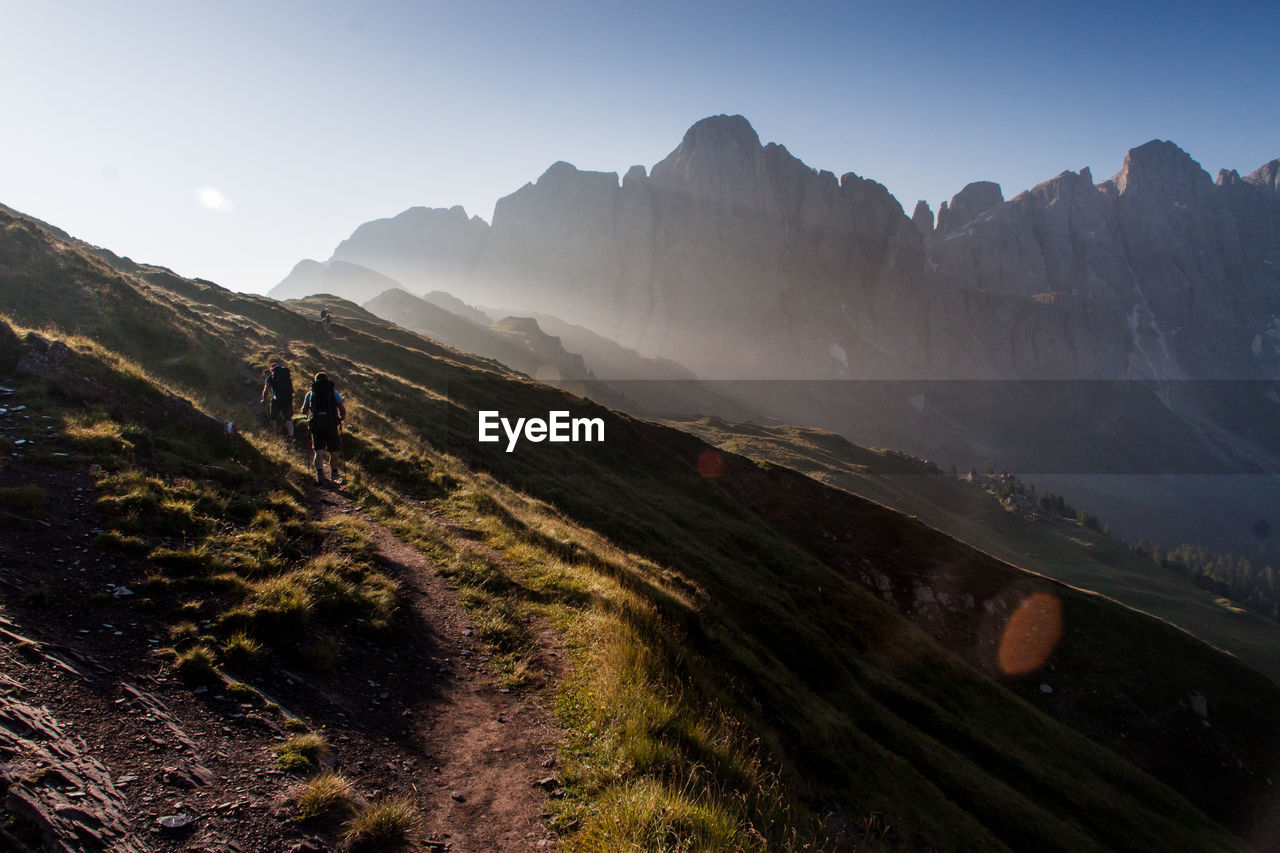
103	748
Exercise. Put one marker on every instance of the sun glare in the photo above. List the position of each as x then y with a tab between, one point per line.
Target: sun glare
213	199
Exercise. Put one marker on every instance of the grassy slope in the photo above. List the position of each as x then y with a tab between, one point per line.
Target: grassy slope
1065	551
732	680
230	562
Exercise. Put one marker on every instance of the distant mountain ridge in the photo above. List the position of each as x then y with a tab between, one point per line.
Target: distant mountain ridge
738	260
353	281
1156	273
550	350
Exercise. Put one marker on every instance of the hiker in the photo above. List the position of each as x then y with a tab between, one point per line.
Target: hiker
325	317
279	390
323	404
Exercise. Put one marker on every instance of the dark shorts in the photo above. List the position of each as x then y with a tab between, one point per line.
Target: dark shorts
281	410
324	435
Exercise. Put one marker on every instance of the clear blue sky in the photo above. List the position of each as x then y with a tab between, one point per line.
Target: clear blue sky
229	140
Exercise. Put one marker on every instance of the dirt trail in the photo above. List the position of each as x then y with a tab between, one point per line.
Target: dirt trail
486	745
100	744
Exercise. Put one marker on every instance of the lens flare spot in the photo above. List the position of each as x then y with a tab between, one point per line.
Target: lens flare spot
1031	634
710	463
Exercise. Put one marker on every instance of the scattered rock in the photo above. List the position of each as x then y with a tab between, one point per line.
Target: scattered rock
457	796
186	778
175	823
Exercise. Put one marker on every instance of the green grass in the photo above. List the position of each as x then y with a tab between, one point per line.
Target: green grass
653	816
301	753
242	651
126	543
242	692
219	521
29	500
707	604
643	760
197	665
1062	549
98	437
183	633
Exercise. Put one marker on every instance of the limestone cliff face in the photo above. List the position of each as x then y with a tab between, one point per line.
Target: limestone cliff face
1156	273
732	257
738	260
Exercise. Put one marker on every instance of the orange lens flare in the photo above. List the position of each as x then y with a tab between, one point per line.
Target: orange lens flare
710	464
1031	634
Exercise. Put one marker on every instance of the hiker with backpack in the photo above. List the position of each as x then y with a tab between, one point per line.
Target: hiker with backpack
279	390
326	412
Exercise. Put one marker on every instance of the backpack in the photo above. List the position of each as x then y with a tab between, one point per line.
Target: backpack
322	399
281	382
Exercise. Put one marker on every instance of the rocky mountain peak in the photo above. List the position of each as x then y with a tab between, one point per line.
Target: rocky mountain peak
922	218
719	132
332	276
635	176
1162	168
976	198
716	149
1267	176
559	170
1066	184
562	174
416	247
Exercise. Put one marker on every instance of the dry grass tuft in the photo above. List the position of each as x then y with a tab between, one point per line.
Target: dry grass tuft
328	795
197	665
384	826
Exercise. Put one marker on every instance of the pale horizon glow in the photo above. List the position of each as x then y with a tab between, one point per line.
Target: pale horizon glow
298	121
